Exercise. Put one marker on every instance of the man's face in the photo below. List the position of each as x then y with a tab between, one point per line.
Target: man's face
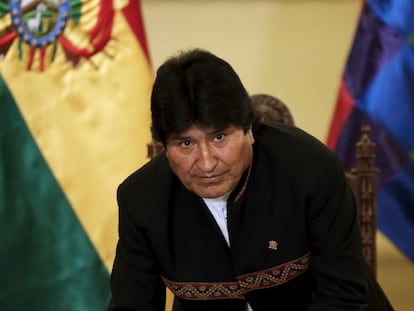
209	162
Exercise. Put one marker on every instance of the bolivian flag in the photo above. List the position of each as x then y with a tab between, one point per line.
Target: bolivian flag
74	122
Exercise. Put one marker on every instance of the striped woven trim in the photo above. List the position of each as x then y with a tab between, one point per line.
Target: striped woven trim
257	280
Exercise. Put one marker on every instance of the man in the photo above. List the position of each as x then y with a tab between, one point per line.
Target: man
234	215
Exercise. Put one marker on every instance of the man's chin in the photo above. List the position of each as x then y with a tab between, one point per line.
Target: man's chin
210	192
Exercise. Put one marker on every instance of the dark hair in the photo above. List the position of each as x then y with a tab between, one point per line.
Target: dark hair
197	87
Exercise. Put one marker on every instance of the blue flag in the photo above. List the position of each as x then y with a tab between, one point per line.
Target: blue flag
377	89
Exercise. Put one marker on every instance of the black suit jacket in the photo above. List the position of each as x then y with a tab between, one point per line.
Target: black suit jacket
294	236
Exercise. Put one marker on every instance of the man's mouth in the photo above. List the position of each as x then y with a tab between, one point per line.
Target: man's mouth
211	179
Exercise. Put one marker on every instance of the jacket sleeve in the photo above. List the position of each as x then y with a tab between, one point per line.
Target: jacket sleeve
135	280
338	265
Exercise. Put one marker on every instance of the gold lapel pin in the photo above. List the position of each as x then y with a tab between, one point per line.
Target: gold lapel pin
273	245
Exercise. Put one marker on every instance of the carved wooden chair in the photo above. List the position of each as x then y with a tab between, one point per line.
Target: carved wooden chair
362	177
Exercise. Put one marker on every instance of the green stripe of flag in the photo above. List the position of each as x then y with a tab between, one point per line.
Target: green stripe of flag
47	261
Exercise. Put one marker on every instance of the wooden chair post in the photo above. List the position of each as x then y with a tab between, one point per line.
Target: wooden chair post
366	194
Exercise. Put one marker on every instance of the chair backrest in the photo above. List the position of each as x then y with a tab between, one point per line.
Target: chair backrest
362	178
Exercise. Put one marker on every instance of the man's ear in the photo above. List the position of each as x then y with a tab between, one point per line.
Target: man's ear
250	135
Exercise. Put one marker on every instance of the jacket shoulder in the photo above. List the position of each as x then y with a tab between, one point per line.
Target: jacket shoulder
147	187
282	139
296	152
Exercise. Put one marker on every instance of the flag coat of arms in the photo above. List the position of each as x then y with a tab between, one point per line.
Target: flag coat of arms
377	89
75	83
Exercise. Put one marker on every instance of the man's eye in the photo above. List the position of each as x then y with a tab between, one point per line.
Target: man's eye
219	137
185	143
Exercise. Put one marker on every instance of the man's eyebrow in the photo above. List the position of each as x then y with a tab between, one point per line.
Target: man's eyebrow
216	131
179	136
210	132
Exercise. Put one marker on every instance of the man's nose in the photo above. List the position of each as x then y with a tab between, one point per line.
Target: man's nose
207	160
